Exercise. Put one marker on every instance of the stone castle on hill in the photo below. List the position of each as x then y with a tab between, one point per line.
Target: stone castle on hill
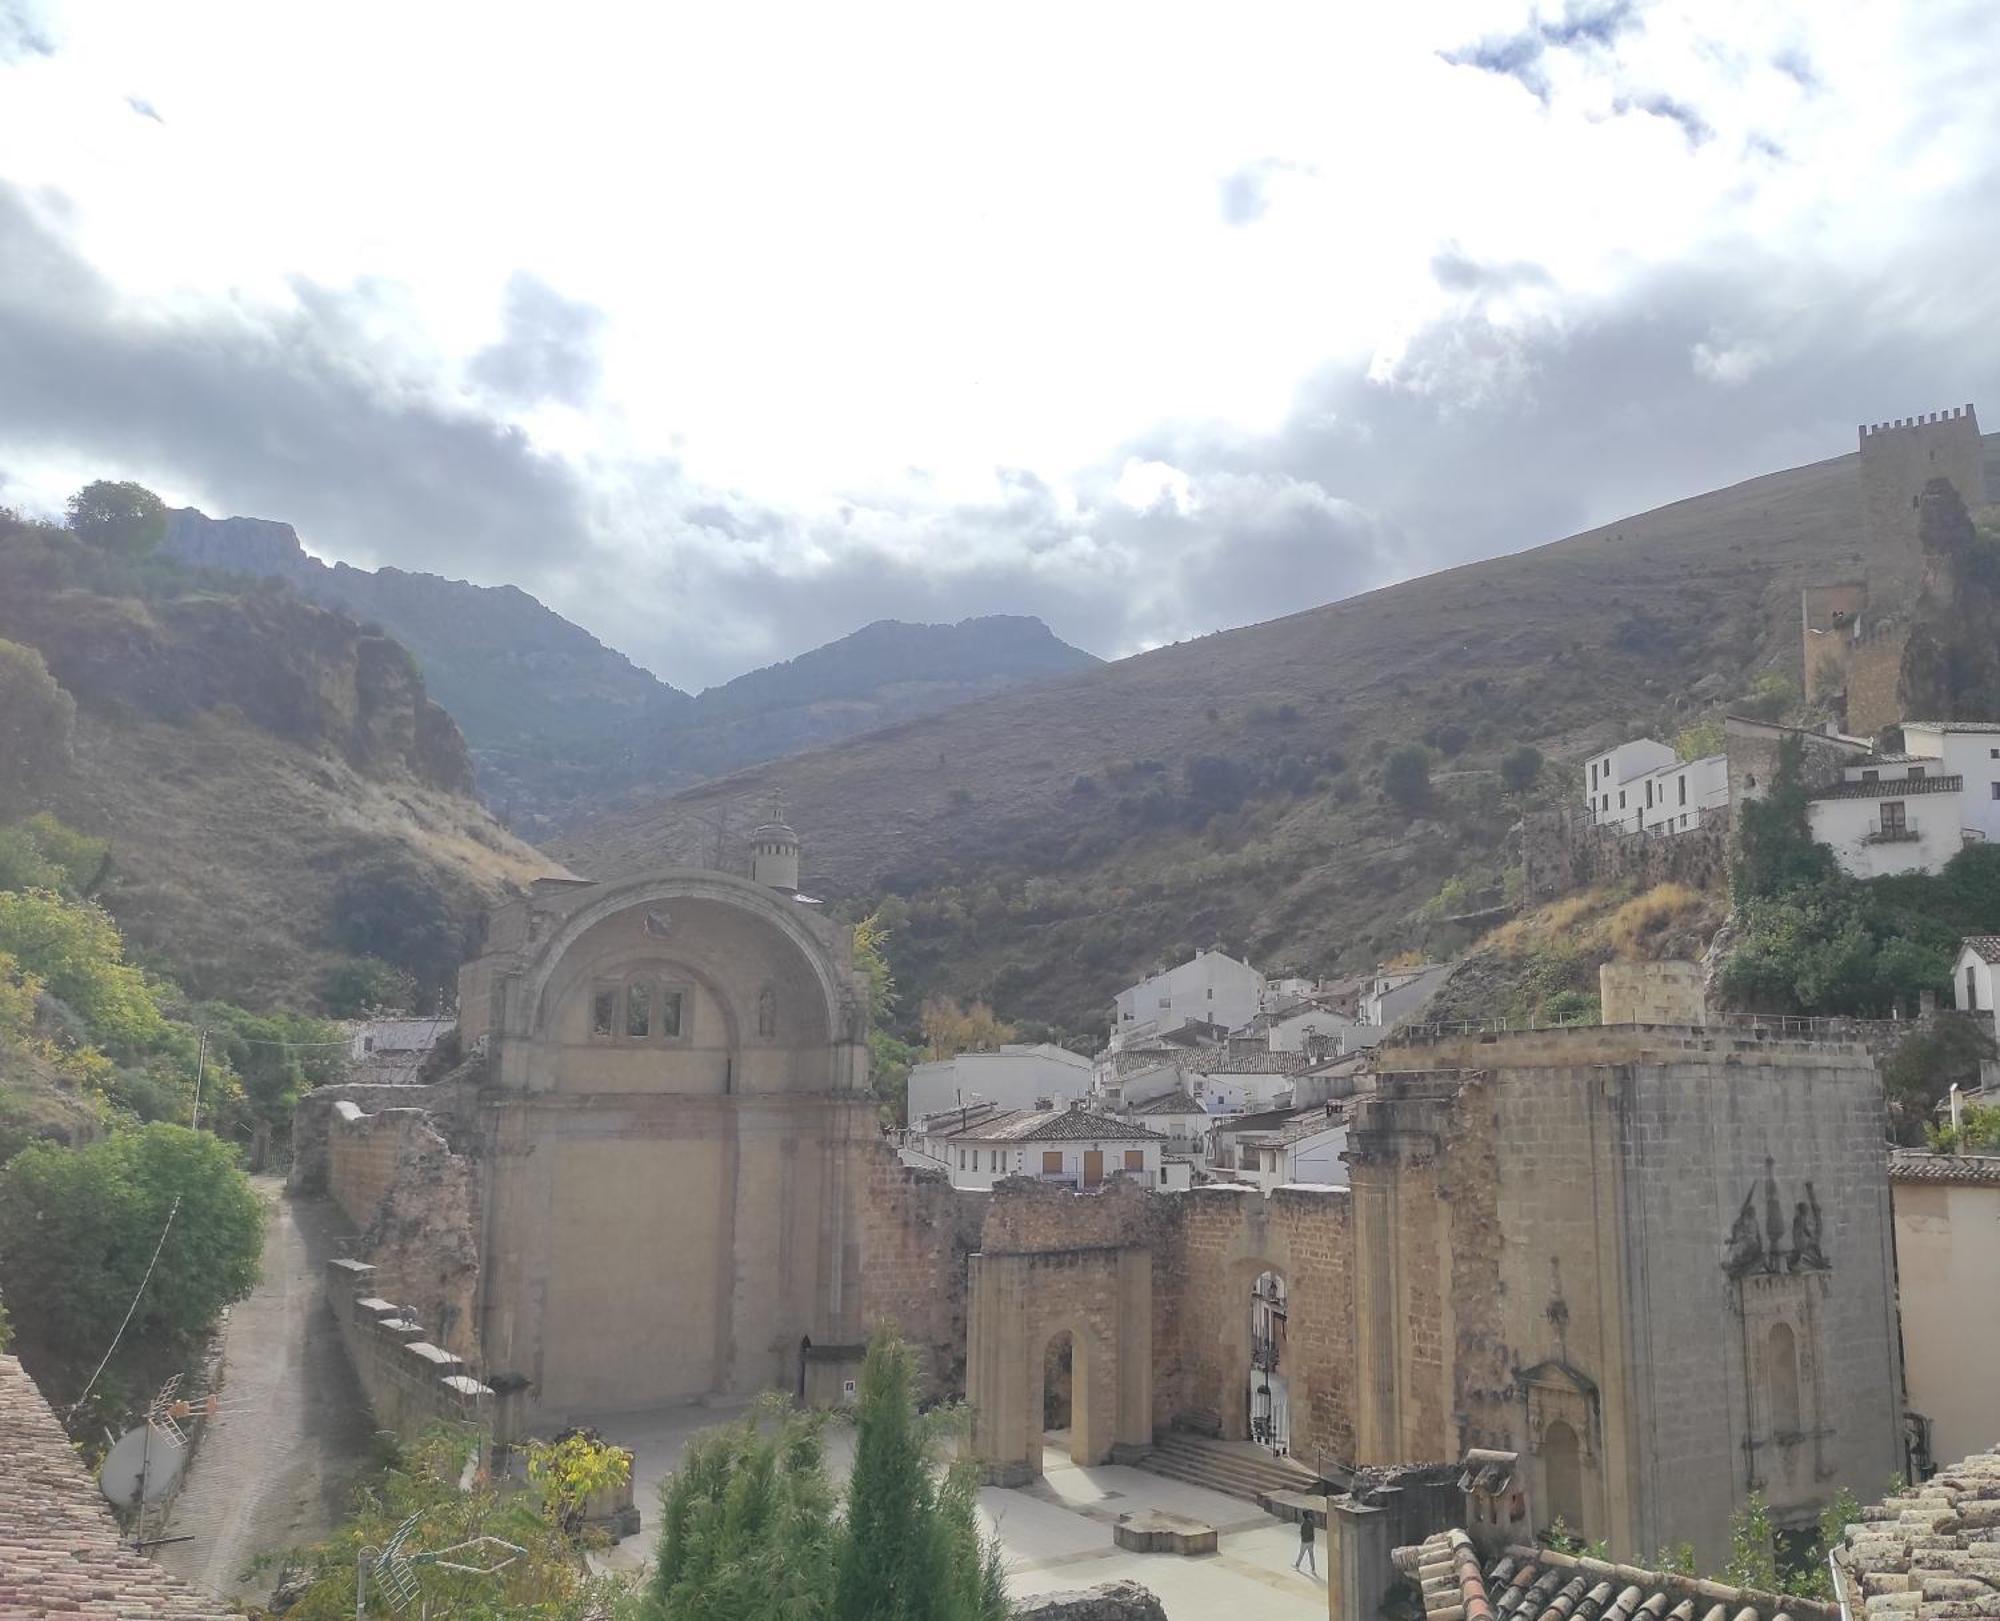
1854	631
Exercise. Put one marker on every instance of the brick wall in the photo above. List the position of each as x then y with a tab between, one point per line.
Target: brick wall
410	1380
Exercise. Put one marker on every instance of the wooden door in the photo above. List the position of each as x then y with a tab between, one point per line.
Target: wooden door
1093	1167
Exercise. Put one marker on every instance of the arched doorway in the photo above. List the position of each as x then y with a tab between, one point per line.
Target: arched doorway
1269	1396
1562	1476
1063	1396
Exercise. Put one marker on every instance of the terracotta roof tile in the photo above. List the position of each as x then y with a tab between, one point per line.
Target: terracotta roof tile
1055	1125
1538	1584
60	1549
1914	1165
1894	788
1987	945
1932	1554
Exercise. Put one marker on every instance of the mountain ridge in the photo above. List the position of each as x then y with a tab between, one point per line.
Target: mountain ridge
1048	842
560	724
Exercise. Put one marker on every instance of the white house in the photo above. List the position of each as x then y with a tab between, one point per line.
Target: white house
1180	1116
1016	1077
1212	987
1305	1147
1607	777
1890	813
1643	786
1072	1145
1972	979
1970	751
1399	993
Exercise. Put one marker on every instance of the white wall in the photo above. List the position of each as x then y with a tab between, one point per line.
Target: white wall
1978	997
1397	995
1605	775
1845	826
1212	986
1975	756
1014	1078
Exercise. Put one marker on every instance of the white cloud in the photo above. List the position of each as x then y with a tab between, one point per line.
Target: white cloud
771	317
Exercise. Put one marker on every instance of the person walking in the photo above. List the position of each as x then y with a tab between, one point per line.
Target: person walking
1306	1556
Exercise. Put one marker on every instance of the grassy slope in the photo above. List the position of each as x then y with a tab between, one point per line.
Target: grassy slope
228	843
1049	899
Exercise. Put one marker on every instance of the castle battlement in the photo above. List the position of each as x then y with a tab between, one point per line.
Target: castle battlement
1963	413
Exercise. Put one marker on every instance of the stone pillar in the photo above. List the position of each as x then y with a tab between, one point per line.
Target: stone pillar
996	1371
1377	1390
1133	1352
1359	1572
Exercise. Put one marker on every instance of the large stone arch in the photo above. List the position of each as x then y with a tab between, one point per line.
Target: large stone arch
669	1208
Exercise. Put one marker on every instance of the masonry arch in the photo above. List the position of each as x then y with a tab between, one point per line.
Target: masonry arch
1022	1303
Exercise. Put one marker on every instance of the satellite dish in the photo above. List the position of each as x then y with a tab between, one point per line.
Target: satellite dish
145	1461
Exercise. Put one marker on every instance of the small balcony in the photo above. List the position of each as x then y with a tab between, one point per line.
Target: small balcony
1908	833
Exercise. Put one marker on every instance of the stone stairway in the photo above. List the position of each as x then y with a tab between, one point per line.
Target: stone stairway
1234	1468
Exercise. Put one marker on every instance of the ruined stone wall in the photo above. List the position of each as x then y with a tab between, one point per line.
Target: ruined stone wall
312	1121
1874	679
1565	850
410	1380
1224	1238
1897	460
1112	1601
415	1206
917	1234
1752	748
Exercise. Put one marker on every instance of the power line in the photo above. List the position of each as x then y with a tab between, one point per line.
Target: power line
173	1210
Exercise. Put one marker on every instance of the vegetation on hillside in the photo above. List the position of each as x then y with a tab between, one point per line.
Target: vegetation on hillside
751	1525
288	805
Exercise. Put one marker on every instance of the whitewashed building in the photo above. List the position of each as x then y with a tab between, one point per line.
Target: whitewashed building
1073	1145
1305	1148
1400	993
1972	979
1213	987
1644	787
393	1050
1970	751
1607	776
1016	1077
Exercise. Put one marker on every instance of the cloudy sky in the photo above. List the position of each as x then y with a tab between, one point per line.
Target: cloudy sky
728	328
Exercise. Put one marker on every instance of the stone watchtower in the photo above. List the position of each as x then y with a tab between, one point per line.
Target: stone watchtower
1897	460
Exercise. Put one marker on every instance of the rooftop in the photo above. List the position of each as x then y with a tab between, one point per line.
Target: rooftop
1915	1165
1893	788
1526	1583
1987	945
1932	1554
1074	1124
1953	725
1176	1102
60	1549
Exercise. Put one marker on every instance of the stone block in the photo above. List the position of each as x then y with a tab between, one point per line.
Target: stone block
1156	1530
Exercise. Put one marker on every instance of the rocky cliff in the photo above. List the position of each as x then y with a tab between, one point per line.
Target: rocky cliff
281	794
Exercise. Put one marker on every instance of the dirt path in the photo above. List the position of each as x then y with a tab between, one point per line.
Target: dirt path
274	1468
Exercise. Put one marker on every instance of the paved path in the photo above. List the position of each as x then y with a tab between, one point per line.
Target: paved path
274	1468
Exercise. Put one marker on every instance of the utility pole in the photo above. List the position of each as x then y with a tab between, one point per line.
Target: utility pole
200	1067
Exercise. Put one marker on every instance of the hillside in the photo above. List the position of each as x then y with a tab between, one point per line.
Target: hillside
280	794
1053	842
560	726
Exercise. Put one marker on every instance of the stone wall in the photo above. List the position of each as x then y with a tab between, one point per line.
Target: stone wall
1651	993
1752	748
917	1234
1897	460
413	1202
1565	850
410	1380
1612	1230
1874	681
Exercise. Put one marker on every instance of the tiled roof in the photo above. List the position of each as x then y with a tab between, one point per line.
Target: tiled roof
60	1552
1538	1584
1914	1165
1987	945
1955	725
1055	1125
1894	788
1261	1062
1180	1102
1932	1555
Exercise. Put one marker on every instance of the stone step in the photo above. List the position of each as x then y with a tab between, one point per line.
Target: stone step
1197	1461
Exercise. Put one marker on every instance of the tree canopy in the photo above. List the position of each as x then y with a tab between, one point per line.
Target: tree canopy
1406	776
120	517
79	1228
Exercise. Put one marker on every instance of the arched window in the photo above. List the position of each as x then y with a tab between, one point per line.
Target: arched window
1783	1373
1562	1474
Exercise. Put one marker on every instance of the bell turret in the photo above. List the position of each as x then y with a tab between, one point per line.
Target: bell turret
774	852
